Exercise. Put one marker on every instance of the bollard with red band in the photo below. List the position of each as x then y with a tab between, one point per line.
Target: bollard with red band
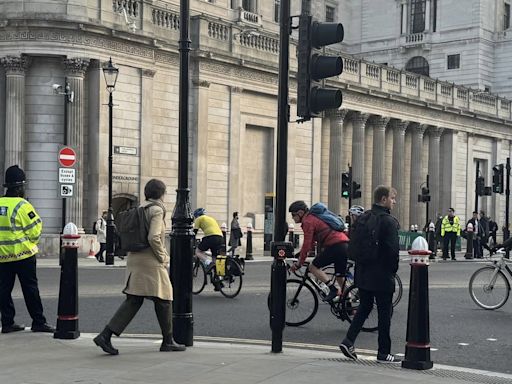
469	241
417	348
67	313
248	247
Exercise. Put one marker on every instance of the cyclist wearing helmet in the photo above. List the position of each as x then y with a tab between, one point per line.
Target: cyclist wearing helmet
333	243
354	212
212	240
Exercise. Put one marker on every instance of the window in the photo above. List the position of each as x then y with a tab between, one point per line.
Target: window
277	6
329	13
249	5
453	61
419	65
506	17
434	15
417	20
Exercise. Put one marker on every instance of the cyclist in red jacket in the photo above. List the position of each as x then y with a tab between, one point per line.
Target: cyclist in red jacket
333	247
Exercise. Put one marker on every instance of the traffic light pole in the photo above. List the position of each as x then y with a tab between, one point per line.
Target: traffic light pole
350	186
506	230
476	185
426	209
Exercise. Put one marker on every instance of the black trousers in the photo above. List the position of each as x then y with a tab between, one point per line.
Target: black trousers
449	237
384	310
26	272
103	248
130	307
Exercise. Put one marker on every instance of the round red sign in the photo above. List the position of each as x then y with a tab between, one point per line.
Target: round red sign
67	157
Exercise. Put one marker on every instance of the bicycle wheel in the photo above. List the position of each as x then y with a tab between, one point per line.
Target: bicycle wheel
198	276
350	303
397	295
489	288
231	282
301	303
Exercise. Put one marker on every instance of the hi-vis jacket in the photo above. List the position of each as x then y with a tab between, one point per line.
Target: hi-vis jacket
20	229
447	227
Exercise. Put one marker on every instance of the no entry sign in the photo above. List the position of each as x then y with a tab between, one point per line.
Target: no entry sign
67	157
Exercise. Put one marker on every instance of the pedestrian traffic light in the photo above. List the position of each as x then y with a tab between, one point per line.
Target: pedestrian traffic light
498	178
345	185
425	195
480	186
312	97
356	193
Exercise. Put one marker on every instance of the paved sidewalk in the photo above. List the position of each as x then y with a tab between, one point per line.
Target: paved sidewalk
26	357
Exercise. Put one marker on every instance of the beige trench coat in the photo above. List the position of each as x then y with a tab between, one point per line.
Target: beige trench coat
147	271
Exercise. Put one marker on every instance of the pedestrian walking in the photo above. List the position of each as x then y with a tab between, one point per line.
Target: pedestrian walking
484	220
375	280
20	230
493	230
147	276
235	234
450	231
478	233
438	225
101	235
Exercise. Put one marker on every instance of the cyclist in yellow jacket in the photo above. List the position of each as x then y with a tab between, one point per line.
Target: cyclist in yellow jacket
20	229
450	230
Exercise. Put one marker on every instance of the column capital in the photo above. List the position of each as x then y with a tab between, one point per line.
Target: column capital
236	89
359	117
400	125
15	65
76	66
337	113
148	72
418	128
201	83
435	131
379	122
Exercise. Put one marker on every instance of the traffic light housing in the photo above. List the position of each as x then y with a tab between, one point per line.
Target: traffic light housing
356	193
498	178
425	195
312	97
480	186
345	185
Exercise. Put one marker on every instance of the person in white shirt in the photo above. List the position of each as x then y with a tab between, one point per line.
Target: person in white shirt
101	236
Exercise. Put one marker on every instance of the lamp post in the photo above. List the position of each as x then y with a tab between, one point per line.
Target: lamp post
110	72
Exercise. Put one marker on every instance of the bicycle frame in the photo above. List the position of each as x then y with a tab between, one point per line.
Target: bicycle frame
501	265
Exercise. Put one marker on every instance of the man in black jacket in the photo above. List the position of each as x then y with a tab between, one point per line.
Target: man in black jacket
375	281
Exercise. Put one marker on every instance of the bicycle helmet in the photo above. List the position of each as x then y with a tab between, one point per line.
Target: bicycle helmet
297	206
199	212
356	210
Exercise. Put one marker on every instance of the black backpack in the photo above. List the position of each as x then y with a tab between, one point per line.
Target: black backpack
132	229
363	247
94	230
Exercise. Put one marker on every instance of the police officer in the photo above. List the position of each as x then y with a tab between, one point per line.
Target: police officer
450	230
20	229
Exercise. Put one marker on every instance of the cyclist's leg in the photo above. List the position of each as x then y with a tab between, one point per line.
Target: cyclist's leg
340	256
315	267
201	249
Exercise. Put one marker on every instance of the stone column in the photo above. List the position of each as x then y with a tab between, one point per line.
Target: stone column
405	16
427	15
398	165
359	124
379	124
336	118
146	130
15	69
434	134
415	216
75	70
235	183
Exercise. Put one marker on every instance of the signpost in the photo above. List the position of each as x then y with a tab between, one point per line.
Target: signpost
67	174
67	157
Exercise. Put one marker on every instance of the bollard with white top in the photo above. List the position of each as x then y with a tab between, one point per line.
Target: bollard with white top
469	241
248	247
431	238
67	312
417	348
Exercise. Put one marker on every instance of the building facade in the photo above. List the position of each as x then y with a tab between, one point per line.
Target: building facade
394	127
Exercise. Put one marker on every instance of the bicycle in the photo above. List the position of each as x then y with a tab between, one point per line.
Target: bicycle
229	284
302	301
489	286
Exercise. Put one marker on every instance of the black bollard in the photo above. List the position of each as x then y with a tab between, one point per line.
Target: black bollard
417	349
469	243
280	251
224	229
290	233
248	247
432	244
67	312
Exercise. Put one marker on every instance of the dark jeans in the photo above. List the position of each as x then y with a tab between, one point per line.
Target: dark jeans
477	247
449	237
103	248
130	307
384	310
26	272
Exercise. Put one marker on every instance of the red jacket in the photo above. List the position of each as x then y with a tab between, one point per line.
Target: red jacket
316	230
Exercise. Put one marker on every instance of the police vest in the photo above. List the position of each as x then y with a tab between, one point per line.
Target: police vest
20	229
447	227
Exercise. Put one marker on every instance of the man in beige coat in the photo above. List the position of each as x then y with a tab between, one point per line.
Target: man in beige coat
147	276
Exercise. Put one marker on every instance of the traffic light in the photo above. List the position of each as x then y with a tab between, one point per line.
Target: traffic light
425	195
497	178
480	186
345	185
312	97
356	193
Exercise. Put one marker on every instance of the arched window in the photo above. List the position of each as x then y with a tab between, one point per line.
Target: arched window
419	65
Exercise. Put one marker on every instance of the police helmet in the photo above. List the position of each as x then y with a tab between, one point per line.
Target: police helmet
199	212
14	177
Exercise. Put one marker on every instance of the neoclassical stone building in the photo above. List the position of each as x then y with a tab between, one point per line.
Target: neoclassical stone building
394	127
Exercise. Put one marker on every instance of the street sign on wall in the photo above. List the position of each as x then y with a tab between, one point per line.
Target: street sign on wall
67	175
67	157
66	190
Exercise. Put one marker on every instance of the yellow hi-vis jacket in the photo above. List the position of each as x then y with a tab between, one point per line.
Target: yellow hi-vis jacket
20	229
447	227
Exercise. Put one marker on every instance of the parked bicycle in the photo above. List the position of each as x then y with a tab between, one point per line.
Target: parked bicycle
489	286
229	280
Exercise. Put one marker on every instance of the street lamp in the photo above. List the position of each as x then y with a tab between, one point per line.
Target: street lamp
110	72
